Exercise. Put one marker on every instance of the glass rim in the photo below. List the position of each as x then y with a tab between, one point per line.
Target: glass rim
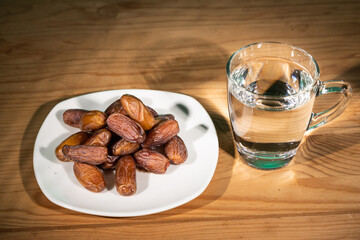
316	77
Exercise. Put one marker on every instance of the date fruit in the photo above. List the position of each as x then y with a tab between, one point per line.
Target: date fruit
175	150
92	120
115	107
124	147
101	137
125	176
75	139
162	133
89	176
92	155
72	117
110	162
152	111
152	161
126	128
163	117
136	109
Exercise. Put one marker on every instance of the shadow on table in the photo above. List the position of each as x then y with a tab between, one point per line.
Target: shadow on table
198	63
26	158
328	155
192	63
315	150
351	76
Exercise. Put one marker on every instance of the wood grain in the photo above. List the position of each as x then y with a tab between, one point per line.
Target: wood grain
54	50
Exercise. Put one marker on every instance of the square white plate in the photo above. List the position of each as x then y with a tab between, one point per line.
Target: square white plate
155	193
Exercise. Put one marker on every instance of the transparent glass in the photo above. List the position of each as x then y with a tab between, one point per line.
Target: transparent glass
271	92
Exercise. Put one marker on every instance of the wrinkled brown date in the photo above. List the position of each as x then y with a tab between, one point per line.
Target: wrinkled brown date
124	147
136	109
162	133
101	137
175	150
126	127
93	155
89	176
115	107
110	162
75	139
152	111
163	117
107	165
152	161
112	159
125	176
92	120
160	149
72	117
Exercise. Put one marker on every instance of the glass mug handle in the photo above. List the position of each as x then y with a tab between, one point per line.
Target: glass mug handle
333	86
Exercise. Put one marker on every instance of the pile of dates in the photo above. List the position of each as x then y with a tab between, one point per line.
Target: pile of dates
127	136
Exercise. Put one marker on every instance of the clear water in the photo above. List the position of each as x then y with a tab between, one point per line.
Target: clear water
270	108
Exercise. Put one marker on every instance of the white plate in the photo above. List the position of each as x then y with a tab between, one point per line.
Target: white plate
155	193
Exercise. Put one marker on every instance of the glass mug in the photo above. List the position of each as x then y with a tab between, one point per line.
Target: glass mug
271	91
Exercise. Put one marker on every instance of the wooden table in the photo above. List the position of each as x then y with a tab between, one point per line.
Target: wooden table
54	50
